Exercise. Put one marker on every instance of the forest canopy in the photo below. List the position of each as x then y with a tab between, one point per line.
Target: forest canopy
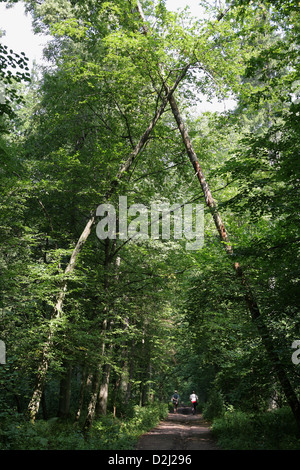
93	325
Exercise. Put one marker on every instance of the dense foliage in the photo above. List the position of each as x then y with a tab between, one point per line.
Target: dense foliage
98	332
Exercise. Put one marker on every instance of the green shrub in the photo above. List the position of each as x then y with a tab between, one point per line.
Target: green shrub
112	433
18	434
273	430
107	432
147	416
214	408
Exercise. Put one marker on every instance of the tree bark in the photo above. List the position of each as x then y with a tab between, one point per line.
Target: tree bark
103	392
251	303
83	383
65	393
93	399
33	406
249	296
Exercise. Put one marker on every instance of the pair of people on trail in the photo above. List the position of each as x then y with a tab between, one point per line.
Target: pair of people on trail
194	401
175	400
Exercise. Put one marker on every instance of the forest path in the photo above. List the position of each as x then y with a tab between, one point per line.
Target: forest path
181	431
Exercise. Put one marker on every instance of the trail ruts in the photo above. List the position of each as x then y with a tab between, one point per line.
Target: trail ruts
179	432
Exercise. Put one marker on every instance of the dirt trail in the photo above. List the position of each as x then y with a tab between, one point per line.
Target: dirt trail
181	431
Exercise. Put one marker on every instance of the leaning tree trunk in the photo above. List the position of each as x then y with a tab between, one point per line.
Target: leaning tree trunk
34	403
251	303
249	296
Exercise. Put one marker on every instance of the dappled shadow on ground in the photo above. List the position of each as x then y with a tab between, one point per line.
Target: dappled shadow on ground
181	431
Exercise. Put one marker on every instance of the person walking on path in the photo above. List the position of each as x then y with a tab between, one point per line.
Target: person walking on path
175	400
194	401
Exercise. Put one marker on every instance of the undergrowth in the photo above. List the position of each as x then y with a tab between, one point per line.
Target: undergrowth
273	430
107	433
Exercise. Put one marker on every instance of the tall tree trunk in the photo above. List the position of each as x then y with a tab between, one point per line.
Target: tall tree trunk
131	372
33	406
44	406
83	383
103	392
96	383
249	296
40	379
93	399
252	305
124	378
34	403
99	396
65	394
